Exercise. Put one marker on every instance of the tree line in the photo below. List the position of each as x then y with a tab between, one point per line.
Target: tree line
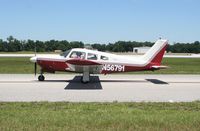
13	45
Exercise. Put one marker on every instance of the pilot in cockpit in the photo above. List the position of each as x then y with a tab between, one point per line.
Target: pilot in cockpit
79	55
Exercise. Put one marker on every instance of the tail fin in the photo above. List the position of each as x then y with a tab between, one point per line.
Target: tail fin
156	52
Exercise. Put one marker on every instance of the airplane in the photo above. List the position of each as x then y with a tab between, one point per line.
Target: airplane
85	61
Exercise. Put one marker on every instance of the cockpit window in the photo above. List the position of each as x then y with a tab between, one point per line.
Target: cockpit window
92	56
65	54
104	57
77	54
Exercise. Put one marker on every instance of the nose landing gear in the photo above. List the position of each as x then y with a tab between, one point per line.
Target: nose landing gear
41	77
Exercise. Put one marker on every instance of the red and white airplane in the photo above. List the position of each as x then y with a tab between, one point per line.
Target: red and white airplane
88	62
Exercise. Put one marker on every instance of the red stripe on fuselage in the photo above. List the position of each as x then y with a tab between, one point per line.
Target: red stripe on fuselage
52	65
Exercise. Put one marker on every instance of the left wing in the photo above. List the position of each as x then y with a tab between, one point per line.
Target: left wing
82	65
83	62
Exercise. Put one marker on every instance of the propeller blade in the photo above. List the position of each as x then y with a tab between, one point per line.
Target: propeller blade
35	49
35	69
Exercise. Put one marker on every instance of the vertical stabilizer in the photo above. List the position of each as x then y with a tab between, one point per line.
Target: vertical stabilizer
155	54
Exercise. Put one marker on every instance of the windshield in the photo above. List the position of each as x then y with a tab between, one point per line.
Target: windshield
65	54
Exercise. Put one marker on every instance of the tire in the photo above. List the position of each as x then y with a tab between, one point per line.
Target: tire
41	78
84	82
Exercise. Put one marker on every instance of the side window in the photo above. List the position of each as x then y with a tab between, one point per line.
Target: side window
92	56
104	57
77	54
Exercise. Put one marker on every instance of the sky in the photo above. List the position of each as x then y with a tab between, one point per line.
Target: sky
101	21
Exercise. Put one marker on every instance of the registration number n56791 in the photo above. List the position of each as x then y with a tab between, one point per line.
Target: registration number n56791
111	67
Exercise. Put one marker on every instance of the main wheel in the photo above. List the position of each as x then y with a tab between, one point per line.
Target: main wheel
41	78
84	82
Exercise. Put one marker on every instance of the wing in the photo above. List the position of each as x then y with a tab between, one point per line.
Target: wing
82	62
81	65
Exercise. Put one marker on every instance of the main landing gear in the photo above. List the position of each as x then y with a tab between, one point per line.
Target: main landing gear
85	78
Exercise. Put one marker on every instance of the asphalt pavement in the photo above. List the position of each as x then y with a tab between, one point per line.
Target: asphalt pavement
102	88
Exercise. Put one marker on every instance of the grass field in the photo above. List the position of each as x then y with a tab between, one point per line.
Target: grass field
16	65
177	66
100	116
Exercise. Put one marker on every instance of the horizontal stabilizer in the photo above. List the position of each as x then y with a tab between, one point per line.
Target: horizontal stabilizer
159	67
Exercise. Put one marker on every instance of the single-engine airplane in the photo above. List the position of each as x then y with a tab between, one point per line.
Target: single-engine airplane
85	61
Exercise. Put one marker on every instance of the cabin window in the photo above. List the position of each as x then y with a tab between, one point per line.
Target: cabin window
77	54
104	57
92	56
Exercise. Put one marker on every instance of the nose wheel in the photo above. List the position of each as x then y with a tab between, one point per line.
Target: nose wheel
41	78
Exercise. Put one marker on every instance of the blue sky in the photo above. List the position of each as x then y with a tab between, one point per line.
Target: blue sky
101	21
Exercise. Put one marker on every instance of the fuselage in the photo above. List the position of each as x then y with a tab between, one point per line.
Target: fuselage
96	62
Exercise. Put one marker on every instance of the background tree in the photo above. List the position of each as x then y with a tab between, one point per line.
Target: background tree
13	45
1	45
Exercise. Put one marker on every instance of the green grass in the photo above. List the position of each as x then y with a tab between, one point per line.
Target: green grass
182	65
16	65
177	66
99	116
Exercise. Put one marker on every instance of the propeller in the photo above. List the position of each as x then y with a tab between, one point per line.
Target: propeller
35	66
35	49
34	60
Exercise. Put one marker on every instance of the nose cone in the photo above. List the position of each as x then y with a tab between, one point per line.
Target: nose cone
33	59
